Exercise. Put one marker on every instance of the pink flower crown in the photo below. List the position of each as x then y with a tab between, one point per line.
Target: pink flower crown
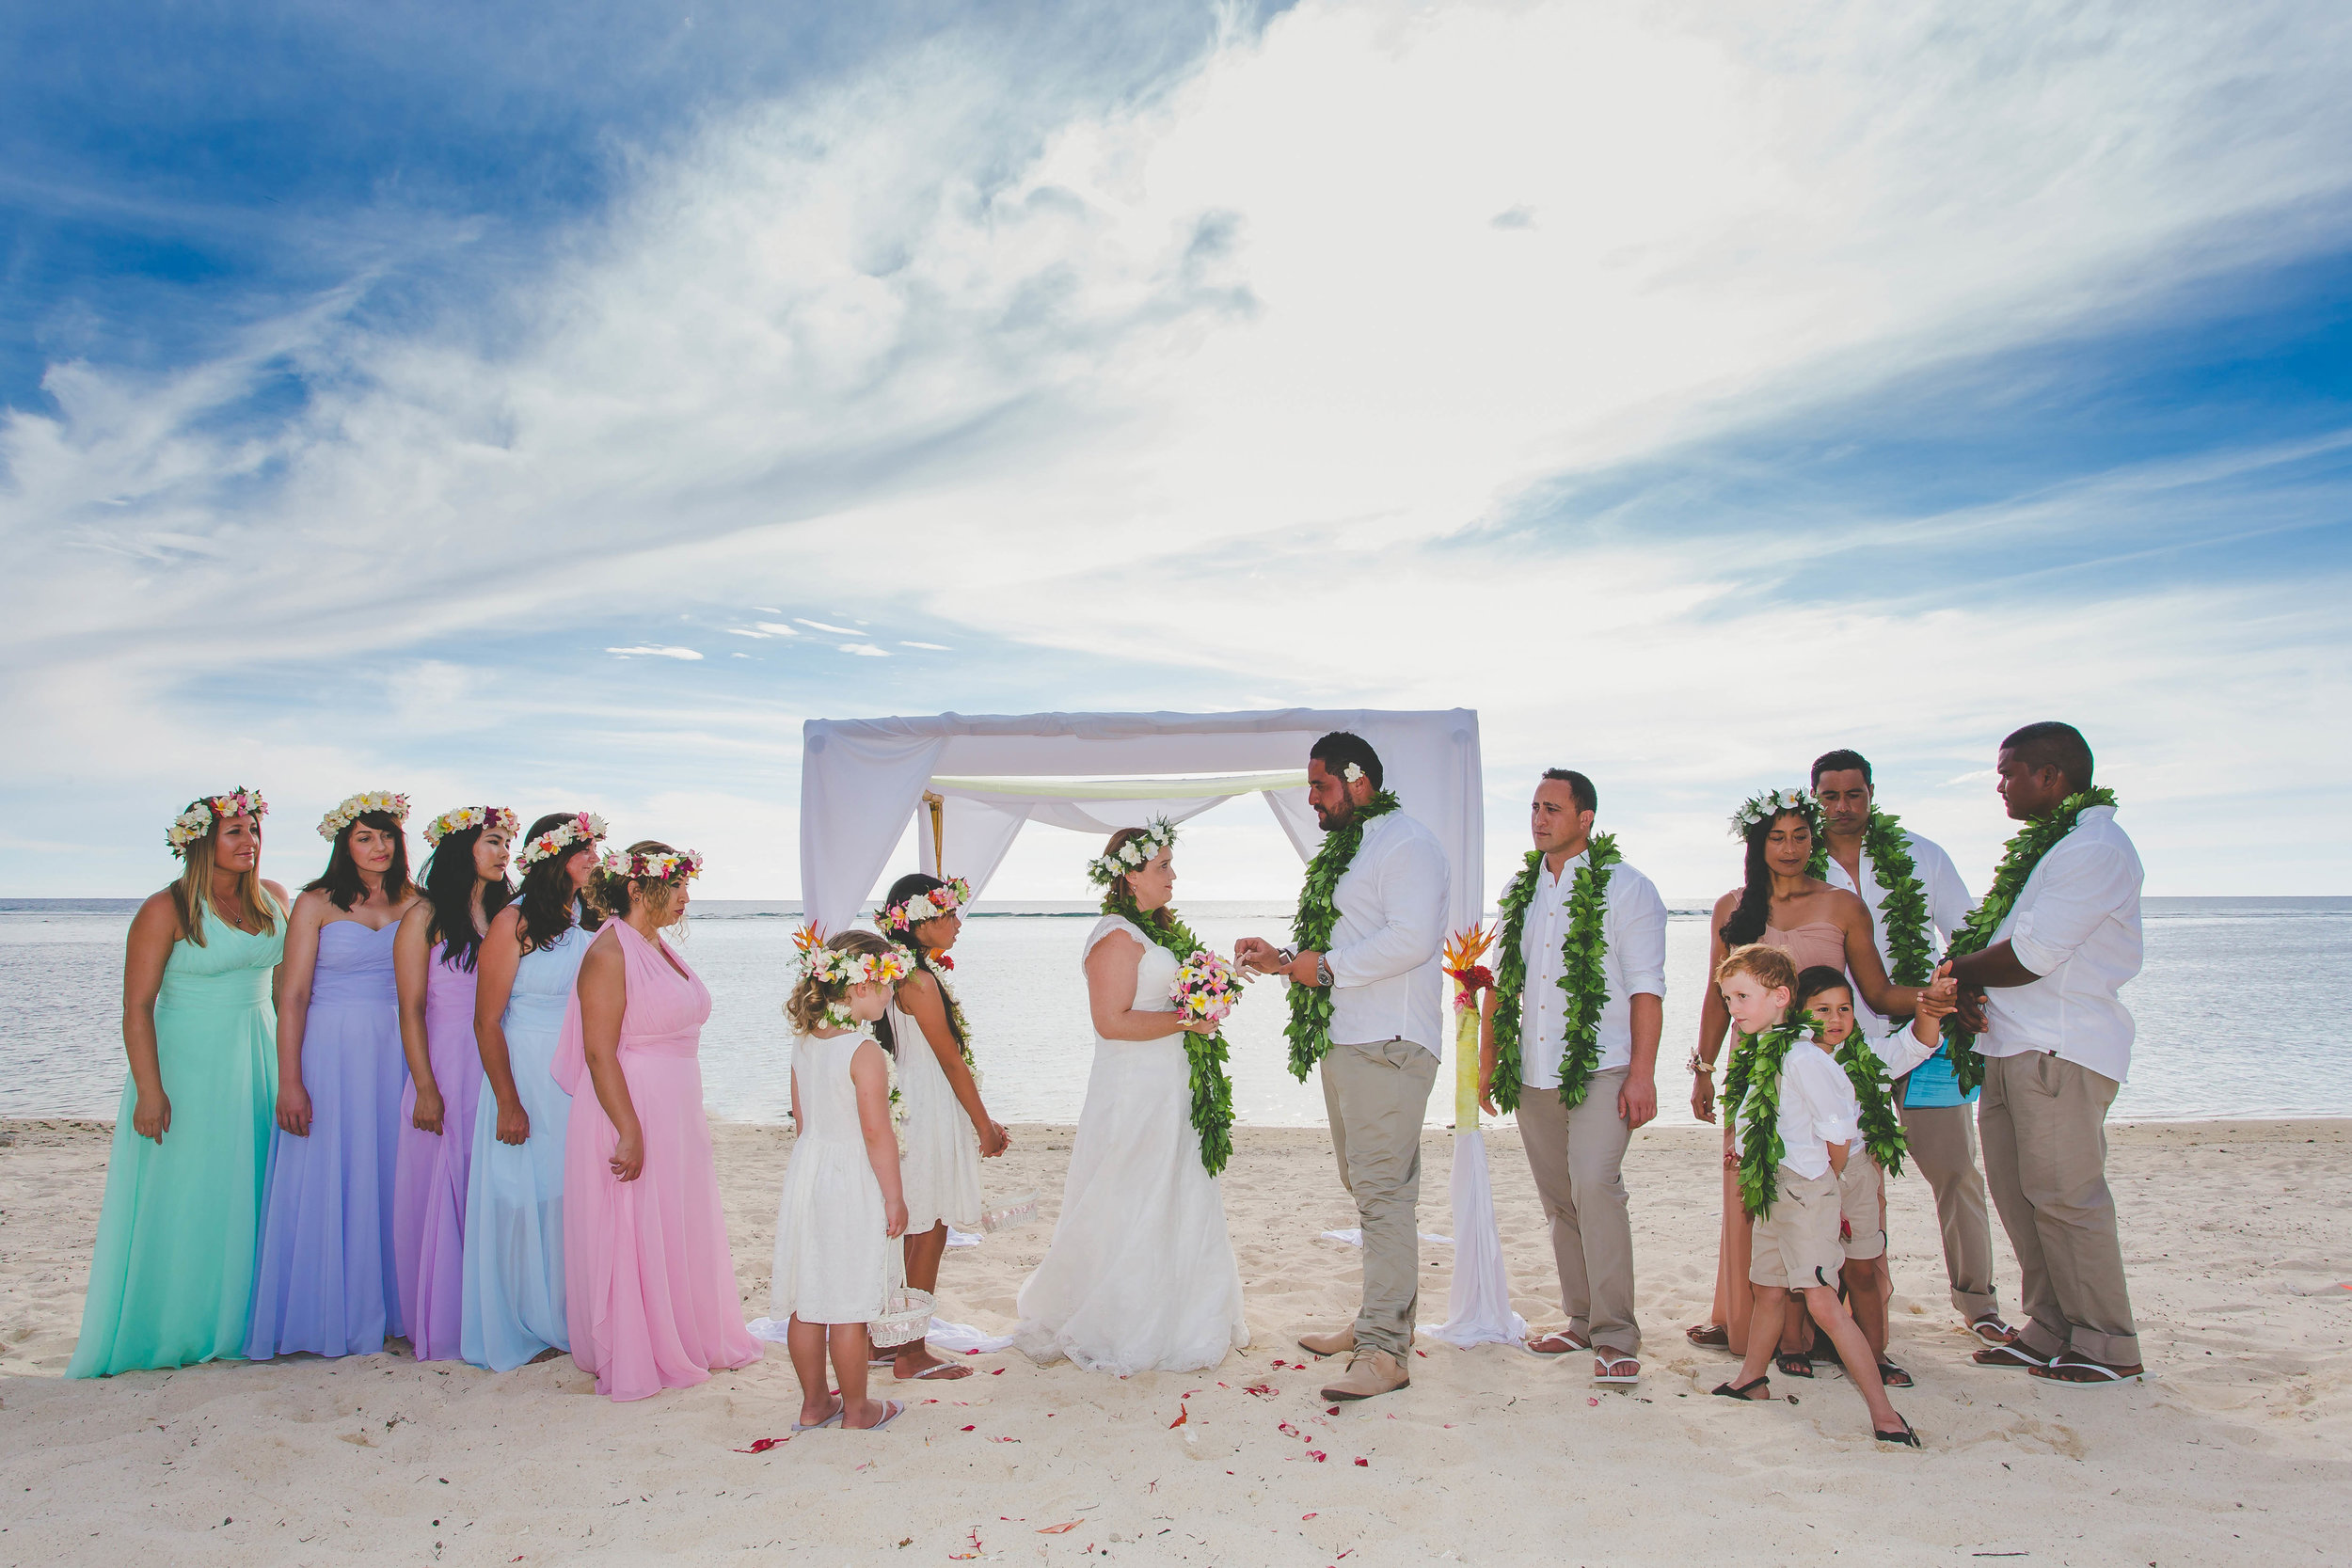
945	900
833	968
199	819
661	866
586	828
458	819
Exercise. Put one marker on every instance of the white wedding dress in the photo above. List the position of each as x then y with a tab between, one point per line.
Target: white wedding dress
1140	1276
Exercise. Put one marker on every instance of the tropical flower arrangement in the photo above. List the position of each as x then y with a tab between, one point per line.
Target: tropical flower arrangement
1206	989
586	828
943	900
378	801
458	819
195	822
659	865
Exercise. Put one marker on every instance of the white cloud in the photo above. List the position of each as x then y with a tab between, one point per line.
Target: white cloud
1213	382
928	647
865	650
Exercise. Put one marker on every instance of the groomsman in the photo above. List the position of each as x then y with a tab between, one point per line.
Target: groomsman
2057	1043
1387	1013
1935	1114
1578	1156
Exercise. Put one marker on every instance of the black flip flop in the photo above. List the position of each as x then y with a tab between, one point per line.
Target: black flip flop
1893	1376
1741	1393
1793	1363
1907	1438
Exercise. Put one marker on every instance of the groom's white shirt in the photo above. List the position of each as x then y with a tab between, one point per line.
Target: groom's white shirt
1385	981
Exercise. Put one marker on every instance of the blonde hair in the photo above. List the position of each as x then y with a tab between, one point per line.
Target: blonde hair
811	996
193	893
609	894
1773	969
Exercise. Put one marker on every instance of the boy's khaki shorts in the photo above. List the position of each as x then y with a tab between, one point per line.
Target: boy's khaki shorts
1796	1246
1861	1194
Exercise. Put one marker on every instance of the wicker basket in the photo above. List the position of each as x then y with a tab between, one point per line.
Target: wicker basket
906	1317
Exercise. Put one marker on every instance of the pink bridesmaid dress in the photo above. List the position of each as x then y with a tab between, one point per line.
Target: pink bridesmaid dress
649	1281
432	1168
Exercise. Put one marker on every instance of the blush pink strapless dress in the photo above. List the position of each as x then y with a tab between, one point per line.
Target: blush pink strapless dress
649	1282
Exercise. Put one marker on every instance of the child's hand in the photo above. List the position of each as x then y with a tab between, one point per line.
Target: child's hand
894	1217
994	1141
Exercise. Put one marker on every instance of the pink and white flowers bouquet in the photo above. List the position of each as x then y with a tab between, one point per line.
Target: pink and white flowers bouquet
1206	989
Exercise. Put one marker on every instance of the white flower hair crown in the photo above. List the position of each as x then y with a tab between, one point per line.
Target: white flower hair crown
1353	773
381	801
944	899
458	819
586	828
661	866
1771	803
195	822
833	968
1133	854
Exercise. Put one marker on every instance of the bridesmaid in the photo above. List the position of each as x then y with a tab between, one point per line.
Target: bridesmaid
946	1133
513	1293
1780	904
649	1283
172	1276
326	1282
433	959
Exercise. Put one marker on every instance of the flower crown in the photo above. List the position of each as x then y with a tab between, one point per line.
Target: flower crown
195	822
457	819
943	900
1771	803
379	800
831	968
1132	855
659	865
586	828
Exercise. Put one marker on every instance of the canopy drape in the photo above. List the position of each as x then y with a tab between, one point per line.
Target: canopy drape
864	780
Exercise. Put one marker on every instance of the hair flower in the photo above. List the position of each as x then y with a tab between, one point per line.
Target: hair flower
372	802
200	815
458	819
1133	854
939	902
585	828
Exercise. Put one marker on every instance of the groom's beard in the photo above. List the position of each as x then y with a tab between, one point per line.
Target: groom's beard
1334	820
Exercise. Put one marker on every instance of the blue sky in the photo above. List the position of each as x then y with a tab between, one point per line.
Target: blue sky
399	399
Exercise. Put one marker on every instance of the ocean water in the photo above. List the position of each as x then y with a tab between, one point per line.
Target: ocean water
2230	1007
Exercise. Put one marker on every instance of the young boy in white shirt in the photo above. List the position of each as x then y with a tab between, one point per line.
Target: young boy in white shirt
1796	1244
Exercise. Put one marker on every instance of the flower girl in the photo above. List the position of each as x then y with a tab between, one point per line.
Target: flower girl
842	1204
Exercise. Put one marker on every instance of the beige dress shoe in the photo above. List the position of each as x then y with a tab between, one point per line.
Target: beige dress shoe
1338	1343
1369	1373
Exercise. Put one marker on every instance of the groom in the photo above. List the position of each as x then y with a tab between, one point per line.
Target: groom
1380	1056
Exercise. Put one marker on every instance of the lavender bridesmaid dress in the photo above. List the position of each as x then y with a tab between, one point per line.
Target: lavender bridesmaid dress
429	1193
326	1282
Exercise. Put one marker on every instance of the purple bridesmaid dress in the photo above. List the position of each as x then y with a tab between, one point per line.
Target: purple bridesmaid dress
324	1281
429	1193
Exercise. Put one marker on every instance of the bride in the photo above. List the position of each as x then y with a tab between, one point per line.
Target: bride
1140	1276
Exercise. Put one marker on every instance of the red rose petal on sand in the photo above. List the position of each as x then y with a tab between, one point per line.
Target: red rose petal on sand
968	1429
1062	1529
1305	1516
1365	1462
1317	1455
761	1445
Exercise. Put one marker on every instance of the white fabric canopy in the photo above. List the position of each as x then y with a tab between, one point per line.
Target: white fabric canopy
863	780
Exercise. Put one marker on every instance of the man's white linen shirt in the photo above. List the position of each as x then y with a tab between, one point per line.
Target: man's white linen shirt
1632	927
1818	1108
1948	902
2077	925
1392	901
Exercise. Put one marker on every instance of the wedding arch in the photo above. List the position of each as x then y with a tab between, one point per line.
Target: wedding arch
973	781
970	784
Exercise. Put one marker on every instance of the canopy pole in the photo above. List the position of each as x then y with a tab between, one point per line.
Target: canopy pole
938	803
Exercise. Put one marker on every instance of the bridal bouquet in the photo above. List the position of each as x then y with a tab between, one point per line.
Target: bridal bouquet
1206	989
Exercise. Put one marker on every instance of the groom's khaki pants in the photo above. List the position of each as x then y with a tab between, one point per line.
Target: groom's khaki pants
1376	1095
1578	1158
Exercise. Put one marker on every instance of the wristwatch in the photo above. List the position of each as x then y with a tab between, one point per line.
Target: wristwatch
1289	955
1323	971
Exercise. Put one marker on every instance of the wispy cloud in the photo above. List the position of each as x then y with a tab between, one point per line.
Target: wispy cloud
650	651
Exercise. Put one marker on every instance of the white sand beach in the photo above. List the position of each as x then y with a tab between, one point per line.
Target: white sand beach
2239	1450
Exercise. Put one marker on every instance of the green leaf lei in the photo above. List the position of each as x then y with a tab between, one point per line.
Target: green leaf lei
1310	1028
1881	1131
1205	1054
1581	977
1904	909
1753	1085
2033	841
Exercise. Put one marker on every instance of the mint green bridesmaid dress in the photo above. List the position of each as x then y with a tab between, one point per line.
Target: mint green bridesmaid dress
171	1278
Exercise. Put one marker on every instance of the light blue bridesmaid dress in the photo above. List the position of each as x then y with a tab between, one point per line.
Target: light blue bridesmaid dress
514	1274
